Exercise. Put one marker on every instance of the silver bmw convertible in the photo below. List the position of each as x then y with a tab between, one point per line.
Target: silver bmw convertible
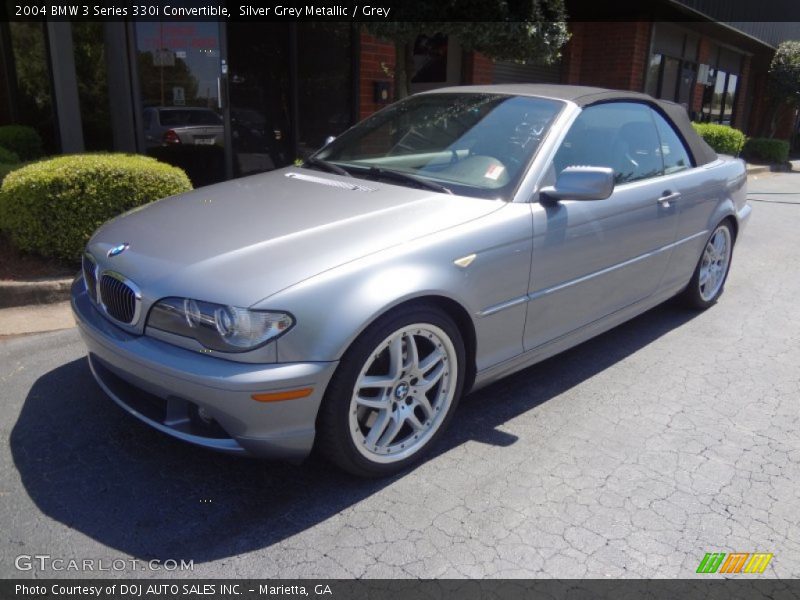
448	240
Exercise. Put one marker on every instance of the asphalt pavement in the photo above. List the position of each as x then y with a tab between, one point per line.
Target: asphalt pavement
632	455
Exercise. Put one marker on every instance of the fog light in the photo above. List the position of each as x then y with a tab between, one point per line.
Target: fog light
204	415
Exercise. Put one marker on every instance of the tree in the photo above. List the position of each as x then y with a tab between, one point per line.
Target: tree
158	81
92	78
523	31
784	80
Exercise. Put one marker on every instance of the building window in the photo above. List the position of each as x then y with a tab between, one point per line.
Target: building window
652	78
29	68
430	59
672	71
719	93
437	62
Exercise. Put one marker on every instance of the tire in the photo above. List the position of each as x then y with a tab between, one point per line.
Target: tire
708	280
409	399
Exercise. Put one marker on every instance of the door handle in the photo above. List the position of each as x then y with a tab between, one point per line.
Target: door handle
667	197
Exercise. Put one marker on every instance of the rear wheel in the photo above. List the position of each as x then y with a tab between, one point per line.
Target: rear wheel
708	281
393	394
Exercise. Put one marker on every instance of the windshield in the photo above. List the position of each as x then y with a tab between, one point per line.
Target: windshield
473	144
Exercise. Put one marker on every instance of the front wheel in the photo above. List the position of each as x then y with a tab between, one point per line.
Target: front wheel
393	394
711	272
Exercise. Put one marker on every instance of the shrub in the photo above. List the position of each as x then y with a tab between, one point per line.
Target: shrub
723	139
52	207
5	169
22	141
7	157
766	150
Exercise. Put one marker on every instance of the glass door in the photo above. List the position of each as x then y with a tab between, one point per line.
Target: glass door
290	87
182	92
262	131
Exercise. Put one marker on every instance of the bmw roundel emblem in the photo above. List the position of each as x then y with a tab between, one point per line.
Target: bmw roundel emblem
117	250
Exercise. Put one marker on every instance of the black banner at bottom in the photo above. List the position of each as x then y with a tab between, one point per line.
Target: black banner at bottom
390	589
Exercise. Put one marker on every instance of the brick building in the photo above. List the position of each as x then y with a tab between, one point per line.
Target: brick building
269	93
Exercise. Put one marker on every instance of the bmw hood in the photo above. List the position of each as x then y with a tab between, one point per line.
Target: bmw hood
240	241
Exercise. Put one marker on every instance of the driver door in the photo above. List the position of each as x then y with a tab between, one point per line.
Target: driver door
594	258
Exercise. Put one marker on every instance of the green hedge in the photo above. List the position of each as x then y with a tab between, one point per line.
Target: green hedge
723	139
7	157
766	150
22	141
5	169
52	207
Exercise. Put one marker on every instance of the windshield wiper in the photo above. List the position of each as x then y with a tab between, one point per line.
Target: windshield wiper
325	166
380	172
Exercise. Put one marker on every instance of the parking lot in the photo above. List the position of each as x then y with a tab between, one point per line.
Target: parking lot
632	455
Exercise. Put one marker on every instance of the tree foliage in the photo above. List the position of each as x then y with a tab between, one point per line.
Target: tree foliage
784	72
523	31
783	88
92	77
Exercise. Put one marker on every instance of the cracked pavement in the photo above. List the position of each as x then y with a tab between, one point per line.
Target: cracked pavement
631	455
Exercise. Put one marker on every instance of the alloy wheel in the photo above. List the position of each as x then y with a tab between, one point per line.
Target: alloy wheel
403	393
714	264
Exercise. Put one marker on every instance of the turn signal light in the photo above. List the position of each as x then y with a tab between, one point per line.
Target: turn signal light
280	396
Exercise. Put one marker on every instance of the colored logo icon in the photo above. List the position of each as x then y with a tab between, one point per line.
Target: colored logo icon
736	562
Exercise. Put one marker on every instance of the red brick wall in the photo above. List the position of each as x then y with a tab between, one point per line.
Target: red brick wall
476	69
703	58
744	92
755	122
373	53
611	55
572	55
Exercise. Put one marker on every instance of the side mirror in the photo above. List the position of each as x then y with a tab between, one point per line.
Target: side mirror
581	183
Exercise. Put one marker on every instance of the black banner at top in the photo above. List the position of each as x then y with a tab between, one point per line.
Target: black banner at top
400	10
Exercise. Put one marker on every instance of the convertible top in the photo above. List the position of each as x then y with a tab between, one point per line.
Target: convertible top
586	96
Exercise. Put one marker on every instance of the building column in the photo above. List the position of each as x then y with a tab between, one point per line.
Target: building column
376	62
120	93
65	86
476	69
744	93
703	58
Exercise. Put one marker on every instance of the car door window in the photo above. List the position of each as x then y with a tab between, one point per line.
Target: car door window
620	135
673	151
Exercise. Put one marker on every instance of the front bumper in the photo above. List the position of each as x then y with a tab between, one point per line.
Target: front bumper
165	386
743	215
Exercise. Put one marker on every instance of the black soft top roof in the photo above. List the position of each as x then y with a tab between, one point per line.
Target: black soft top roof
586	96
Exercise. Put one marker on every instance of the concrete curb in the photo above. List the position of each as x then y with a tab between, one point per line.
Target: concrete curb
35	318
40	291
756	169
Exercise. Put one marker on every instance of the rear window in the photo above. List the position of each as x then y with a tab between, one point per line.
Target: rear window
177	117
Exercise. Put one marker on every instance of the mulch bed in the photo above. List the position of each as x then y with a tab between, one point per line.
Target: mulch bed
18	266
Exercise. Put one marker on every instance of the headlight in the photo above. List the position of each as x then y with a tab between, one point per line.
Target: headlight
216	326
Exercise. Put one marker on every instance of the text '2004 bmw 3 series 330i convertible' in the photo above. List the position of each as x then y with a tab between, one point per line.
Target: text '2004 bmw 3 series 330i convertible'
446	241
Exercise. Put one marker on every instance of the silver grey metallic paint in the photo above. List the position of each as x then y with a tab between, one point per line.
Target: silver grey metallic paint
338	252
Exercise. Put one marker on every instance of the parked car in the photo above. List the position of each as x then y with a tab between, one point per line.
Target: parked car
185	125
446	241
